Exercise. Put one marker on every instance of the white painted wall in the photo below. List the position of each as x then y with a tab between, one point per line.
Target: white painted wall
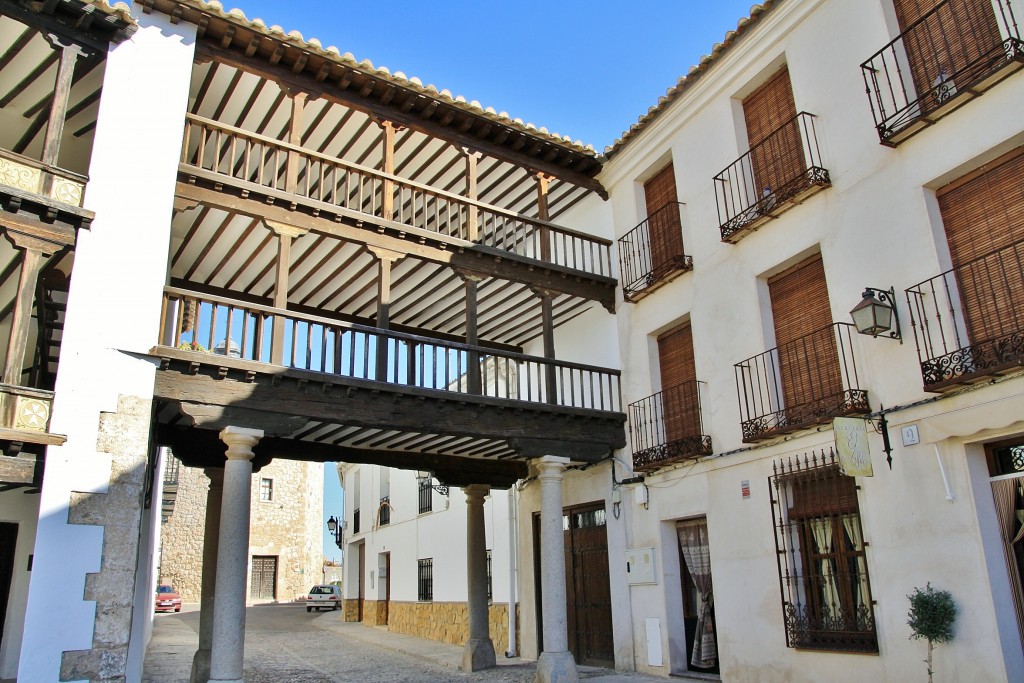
22	509
113	308
878	226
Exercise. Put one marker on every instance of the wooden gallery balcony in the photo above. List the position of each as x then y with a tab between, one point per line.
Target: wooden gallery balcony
355	393
969	321
802	383
940	61
652	254
776	174
667	427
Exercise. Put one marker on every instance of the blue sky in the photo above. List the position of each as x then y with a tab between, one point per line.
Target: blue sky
583	68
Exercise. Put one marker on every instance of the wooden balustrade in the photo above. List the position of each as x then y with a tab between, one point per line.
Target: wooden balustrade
275	165
210	324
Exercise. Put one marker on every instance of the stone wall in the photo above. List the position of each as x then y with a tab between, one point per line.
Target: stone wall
447	622
350	610
286	527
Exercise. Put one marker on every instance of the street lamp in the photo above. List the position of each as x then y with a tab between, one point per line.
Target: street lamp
877	316
336	528
426	478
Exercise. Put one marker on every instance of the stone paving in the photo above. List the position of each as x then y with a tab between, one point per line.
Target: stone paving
285	644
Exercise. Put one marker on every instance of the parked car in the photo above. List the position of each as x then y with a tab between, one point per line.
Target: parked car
325	596
167	599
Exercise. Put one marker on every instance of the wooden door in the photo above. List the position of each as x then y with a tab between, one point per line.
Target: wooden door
955	37
807	355
360	578
773	133
263	582
679	402
983	214
387	587
8	547
663	225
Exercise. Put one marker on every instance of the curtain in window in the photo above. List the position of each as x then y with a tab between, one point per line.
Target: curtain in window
1004	492
857	568
824	576
693	542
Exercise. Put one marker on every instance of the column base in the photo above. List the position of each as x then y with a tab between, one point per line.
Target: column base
556	667
200	667
227	680
478	654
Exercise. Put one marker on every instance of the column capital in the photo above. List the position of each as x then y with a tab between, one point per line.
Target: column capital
240	441
475	493
285	229
384	254
552	467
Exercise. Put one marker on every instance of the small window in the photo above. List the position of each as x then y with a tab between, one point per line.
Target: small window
823	572
426	495
425	580
490	588
266	489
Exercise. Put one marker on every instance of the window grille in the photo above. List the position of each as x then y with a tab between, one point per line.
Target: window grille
425	580
490	592
384	516
266	489
355	521
172	469
426	496
823	572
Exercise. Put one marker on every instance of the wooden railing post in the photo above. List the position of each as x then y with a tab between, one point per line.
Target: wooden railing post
285	235
542	213
385	258
472	193
548	331
291	181
34	250
388	186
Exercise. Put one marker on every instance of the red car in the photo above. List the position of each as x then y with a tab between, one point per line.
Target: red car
167	599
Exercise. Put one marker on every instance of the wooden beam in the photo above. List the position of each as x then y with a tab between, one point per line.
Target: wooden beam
294	138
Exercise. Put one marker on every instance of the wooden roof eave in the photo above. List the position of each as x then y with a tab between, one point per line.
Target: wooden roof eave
306	68
93	26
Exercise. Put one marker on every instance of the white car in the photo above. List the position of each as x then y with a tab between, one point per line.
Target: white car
323	596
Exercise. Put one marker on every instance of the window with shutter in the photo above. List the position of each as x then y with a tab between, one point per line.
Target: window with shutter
666	237
773	133
957	35
681	408
807	352
983	214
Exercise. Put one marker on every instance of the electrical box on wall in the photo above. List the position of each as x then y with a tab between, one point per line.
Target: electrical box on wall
640	566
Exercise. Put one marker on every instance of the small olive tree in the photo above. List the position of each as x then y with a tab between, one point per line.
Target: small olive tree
931	617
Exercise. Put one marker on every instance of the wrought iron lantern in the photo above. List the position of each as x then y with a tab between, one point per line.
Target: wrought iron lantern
427	479
876	313
335	528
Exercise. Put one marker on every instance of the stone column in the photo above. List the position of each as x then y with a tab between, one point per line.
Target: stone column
556	663
479	650
201	660
233	557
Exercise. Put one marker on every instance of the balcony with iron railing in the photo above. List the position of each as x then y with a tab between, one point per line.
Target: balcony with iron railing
949	56
799	384
667	427
204	323
777	174
384	511
260	165
969	321
652	254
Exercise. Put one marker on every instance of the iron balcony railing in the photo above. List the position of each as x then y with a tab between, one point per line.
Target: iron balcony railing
801	383
205	323
172	468
950	55
775	175
968	322
344	188
652	252
667	427
384	514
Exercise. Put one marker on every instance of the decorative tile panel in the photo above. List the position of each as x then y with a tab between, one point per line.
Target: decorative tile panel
20	176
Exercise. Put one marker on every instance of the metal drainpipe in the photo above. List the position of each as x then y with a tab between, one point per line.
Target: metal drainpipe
513	544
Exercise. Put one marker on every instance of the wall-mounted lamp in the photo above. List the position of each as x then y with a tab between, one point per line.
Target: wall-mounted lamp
424	477
877	316
336	528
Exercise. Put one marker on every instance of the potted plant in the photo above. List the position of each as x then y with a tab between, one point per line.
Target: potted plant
931	617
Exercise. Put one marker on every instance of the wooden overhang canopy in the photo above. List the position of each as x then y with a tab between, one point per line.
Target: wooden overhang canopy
231	39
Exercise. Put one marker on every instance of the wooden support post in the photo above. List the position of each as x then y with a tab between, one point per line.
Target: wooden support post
542	213
473	372
285	235
294	138
472	193
33	250
69	53
547	323
386	258
388	189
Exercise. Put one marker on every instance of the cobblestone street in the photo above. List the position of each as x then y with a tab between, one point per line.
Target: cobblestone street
285	643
